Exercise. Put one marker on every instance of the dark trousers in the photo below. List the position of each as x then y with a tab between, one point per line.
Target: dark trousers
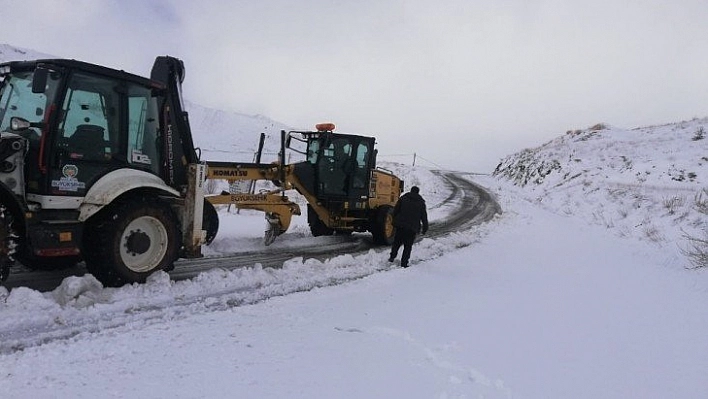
403	237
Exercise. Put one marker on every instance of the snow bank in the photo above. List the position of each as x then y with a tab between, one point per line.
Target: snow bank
642	183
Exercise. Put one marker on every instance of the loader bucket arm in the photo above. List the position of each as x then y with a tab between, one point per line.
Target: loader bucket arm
177	144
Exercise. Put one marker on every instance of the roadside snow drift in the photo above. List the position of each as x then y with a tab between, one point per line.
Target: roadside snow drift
649	183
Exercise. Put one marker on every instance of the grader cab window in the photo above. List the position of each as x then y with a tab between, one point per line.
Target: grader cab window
313	151
335	167
361	173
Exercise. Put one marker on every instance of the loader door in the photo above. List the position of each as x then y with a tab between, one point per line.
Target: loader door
105	124
87	132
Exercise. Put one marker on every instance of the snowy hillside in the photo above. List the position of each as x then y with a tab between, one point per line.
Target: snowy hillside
231	136
650	183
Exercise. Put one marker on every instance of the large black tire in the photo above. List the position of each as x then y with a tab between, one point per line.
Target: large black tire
381	228
131	239
8	242
210	221
317	226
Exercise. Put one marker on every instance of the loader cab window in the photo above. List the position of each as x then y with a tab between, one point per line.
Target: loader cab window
143	125
89	127
18	100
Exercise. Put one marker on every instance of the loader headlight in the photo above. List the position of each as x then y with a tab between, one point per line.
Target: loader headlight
4	70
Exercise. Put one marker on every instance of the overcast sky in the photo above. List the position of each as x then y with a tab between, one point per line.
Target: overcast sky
462	83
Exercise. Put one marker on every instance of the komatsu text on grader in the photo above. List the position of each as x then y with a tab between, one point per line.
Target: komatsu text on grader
99	165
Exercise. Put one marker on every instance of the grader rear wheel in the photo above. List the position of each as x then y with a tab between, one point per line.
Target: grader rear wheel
210	222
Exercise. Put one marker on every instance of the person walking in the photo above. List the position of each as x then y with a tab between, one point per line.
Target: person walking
408	216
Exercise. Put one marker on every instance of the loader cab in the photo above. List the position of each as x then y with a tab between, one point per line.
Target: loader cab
337	166
82	121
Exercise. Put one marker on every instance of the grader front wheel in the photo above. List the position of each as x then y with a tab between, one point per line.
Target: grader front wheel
210	222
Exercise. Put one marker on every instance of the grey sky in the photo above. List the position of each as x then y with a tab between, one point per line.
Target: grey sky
461	82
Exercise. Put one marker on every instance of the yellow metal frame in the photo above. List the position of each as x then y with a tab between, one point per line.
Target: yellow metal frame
272	202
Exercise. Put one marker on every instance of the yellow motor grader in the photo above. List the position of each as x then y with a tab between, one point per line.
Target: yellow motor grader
344	191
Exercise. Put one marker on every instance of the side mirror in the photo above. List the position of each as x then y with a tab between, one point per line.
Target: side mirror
18	124
39	81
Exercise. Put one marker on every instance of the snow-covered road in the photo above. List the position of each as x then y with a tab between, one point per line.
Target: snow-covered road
530	305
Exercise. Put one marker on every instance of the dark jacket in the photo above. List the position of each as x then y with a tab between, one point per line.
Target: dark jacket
410	212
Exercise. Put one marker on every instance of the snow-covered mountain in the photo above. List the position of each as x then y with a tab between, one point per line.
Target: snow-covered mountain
650	183
12	53
221	135
232	136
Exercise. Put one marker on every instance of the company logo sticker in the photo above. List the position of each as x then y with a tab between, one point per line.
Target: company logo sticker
69	182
